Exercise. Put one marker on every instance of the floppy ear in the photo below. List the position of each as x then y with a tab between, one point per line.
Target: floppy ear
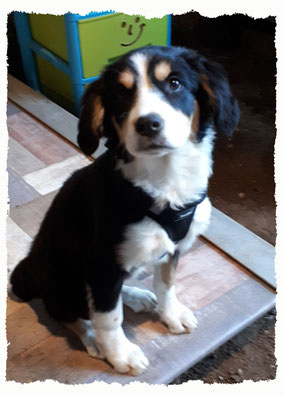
226	113
91	118
214	92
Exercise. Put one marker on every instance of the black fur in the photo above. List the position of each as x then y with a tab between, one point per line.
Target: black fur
76	242
225	110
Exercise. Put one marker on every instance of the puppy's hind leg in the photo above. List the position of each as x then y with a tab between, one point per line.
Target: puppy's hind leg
138	299
21	283
84	330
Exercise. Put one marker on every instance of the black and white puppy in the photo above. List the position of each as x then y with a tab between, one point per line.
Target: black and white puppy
141	203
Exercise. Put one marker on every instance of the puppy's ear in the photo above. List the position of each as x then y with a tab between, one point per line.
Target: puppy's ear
91	118
226	113
214	92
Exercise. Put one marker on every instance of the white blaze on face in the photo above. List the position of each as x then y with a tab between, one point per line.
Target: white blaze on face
177	126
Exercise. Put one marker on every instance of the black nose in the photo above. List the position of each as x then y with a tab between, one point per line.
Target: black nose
149	125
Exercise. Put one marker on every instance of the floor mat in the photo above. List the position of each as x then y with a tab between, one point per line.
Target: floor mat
225	295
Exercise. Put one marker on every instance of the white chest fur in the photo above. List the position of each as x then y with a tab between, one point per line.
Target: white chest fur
176	179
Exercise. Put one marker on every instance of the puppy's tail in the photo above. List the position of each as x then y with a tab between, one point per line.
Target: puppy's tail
22	282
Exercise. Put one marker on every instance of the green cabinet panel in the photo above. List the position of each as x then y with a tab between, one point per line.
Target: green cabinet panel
70	50
49	31
103	39
54	79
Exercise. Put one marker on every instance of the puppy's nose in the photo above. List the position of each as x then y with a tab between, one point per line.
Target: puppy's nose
149	125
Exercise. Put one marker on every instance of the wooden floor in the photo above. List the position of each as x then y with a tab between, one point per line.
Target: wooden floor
224	295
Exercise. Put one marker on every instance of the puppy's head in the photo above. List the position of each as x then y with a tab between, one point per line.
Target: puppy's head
154	99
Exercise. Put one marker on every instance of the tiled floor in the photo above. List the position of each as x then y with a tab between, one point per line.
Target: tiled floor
224	297
38	163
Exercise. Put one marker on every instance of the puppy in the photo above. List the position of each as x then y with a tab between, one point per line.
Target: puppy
142	203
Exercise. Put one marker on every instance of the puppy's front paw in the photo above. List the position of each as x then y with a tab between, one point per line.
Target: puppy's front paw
179	318
122	354
130	359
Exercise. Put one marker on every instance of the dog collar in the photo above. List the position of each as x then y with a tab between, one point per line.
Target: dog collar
175	222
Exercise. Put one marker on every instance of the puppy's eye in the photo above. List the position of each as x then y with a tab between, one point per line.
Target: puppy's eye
174	84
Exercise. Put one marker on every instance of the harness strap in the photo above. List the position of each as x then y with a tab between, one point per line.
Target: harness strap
175	222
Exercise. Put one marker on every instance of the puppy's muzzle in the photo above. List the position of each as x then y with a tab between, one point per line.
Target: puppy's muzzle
149	125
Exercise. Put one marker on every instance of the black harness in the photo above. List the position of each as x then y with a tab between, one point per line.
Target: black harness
138	204
175	222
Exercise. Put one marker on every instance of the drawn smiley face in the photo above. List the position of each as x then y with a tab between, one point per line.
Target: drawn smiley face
130	29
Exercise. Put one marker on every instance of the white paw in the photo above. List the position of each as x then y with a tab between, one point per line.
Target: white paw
124	356
129	360
138	299
179	319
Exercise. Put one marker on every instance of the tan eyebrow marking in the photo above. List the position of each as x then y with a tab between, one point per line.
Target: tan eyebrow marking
126	78
162	70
